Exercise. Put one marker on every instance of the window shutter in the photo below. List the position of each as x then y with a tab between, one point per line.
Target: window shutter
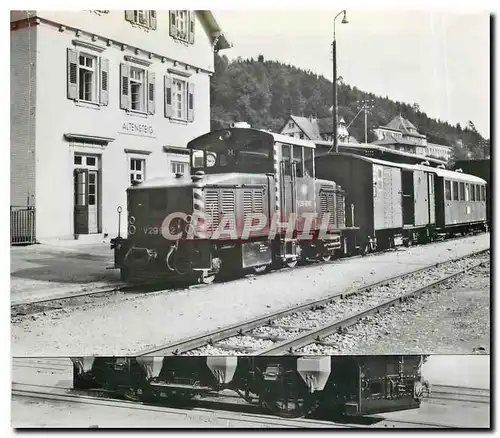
104	81
151	93
191	26
124	86
173	24
72	74
129	16
190	102
169	108
152	19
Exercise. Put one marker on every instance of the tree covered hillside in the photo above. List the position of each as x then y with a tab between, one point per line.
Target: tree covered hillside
264	93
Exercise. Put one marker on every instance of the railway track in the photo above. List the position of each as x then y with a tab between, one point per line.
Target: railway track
28	306
222	414
285	332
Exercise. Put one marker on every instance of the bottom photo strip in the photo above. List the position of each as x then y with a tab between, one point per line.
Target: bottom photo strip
409	392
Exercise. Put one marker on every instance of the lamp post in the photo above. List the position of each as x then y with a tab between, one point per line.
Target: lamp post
335	106
366	105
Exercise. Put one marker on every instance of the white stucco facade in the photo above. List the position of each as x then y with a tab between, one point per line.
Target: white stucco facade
100	135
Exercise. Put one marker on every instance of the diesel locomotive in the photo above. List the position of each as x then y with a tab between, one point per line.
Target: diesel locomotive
257	201
252	202
288	386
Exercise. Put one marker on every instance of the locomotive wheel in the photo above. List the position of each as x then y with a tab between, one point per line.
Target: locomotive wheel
260	269
364	249
292	264
326	257
207	278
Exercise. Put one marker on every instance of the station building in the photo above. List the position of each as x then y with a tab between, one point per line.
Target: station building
101	98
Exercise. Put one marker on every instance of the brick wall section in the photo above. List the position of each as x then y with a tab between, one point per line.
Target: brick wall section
23	49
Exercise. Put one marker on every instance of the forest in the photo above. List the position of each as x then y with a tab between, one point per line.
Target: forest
265	93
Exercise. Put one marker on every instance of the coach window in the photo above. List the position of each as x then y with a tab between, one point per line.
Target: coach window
467	191
483	193
286	153
455	190
298	160
478	192
447	190
308	162
473	192
462	191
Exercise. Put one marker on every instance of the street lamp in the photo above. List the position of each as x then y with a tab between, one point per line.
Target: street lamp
335	106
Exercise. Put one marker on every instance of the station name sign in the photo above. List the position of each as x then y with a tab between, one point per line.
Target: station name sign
140	129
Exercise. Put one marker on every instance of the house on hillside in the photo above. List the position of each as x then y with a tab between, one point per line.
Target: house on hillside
310	128
402	135
99	99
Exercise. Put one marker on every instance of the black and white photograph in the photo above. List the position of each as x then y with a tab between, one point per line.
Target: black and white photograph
235	216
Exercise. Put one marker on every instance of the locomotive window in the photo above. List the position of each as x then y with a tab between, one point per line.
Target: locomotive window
473	192
462	192
455	190
157	200
297	158
447	189
286	153
308	162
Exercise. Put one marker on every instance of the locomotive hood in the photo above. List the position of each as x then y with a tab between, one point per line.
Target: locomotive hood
197	181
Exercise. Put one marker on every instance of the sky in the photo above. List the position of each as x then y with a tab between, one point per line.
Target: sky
436	58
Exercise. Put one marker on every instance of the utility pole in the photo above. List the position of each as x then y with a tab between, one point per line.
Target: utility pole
366	105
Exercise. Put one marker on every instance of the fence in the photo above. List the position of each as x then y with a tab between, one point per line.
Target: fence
22	225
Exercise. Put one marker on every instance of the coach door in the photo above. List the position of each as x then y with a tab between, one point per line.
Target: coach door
86	194
432	199
287	183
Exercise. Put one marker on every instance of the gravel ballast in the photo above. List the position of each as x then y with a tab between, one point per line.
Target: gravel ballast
132	324
452	319
337	310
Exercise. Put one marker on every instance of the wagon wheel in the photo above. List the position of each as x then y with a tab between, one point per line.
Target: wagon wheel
326	257
292	264
290	406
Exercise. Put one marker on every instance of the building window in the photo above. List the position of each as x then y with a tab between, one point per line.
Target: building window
87	77
87	85
143	18
301	135
179	99
182	25
137	169
177	167
137	89
290	125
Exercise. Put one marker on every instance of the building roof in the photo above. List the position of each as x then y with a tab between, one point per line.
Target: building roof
215	30
399	123
381	148
313	128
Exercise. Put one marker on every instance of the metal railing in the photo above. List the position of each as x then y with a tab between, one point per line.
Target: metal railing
22	225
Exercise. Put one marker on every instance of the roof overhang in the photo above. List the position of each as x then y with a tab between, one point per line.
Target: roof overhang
214	30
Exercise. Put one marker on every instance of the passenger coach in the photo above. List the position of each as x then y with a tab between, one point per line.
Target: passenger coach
399	203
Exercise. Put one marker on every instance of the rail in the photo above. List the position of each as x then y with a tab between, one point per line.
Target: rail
285	346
